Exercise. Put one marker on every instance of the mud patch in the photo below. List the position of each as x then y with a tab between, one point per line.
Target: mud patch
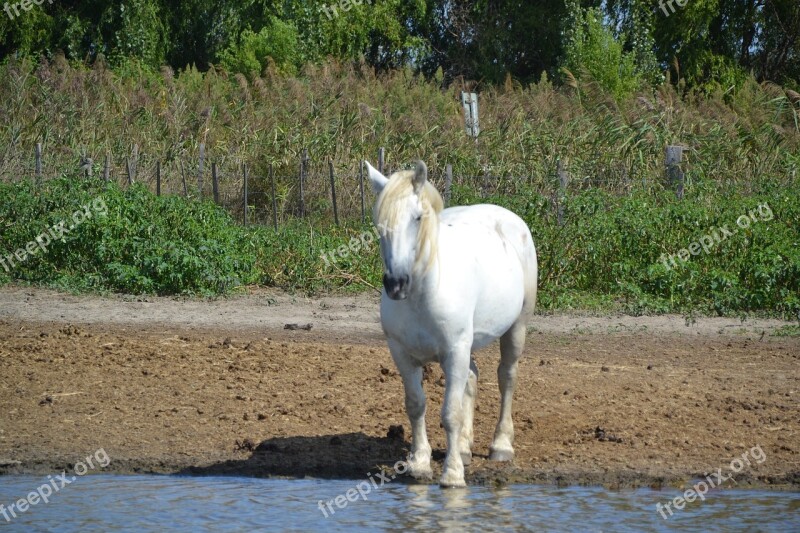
621	410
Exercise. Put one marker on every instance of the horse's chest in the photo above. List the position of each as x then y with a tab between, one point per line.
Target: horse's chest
424	337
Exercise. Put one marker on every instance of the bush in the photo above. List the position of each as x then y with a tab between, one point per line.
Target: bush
277	41
142	244
611	252
619	248
592	48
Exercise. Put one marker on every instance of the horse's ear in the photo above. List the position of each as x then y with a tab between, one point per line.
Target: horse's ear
377	179
420	176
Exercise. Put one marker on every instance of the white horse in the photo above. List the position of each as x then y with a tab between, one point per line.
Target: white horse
454	281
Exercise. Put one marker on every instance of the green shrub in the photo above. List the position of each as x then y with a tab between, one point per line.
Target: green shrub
611	251
142	244
277	41
591	47
617	248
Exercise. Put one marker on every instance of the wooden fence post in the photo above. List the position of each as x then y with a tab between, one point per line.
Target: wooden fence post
333	193
129	170
244	195
274	203
303	161
134	164
158	178
215	182
672	162
448	182
200	170
107	167
86	166
361	187
38	163
563	179
183	179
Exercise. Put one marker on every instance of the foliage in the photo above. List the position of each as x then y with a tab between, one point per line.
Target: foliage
277	41
480	40
787	331
611	248
142	244
377	30
637	24
706	39
134	29
714	72
490	41
742	148
592	48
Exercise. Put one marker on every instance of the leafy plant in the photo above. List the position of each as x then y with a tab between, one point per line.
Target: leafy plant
277	41
591	47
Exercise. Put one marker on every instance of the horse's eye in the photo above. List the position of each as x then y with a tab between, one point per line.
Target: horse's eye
419	218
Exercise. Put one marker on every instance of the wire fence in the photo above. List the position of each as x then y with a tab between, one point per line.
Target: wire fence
254	193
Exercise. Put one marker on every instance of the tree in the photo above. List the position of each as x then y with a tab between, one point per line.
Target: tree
590	47
716	43
380	31
778	57
276	41
487	39
134	29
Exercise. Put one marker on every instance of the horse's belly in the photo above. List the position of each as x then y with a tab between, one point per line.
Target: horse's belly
496	314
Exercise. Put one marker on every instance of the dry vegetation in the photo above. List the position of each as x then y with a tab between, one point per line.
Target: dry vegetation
344	113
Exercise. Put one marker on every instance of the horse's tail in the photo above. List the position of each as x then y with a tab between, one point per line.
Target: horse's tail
530	267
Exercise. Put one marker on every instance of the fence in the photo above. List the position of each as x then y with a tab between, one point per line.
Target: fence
255	195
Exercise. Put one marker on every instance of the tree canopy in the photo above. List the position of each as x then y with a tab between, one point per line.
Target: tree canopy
708	43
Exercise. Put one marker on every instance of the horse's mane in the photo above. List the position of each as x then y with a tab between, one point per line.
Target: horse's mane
389	208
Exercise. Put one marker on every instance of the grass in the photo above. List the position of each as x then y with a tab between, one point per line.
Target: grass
606	256
344	113
787	331
742	150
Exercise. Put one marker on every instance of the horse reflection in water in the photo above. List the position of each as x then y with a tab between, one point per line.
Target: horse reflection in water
454	280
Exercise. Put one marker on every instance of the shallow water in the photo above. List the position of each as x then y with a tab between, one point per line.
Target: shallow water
172	503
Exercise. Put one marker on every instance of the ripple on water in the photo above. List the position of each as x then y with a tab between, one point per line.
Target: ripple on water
161	503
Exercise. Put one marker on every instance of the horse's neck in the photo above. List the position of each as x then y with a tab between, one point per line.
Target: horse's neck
429	275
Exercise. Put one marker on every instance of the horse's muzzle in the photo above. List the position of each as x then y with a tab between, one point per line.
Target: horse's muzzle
396	287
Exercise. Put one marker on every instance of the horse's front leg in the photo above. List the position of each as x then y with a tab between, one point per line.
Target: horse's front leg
468	407
456	370
419	461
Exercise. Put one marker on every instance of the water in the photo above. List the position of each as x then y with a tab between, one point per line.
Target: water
170	503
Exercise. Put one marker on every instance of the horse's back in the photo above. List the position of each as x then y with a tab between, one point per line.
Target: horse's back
491	226
491	250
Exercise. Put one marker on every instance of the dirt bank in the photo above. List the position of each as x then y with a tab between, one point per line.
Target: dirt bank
221	387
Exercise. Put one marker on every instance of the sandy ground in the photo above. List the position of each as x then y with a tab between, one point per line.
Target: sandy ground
220	387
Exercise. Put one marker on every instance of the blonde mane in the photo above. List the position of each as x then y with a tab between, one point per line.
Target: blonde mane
389	208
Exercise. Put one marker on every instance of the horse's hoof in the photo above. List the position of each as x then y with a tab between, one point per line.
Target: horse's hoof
466	458
501	455
422	474
451	480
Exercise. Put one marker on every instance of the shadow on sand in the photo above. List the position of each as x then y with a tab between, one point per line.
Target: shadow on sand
347	455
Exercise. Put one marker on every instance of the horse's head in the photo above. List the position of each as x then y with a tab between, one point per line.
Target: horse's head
406	214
